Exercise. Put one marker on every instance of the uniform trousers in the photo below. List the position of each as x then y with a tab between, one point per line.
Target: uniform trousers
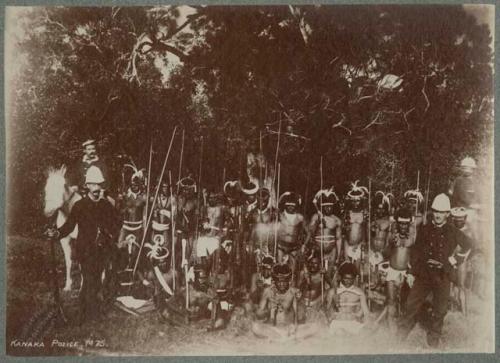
437	282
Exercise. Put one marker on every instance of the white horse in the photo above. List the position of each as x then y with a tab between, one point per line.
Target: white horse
60	198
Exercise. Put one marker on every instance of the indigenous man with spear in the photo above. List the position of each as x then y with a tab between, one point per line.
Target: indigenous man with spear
395	271
291	230
326	230
346	305
259	231
187	211
459	274
280	308
355	224
311	282
162	215
259	282
380	227
414	201
132	205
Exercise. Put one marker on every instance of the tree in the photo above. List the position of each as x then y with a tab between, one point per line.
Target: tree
366	87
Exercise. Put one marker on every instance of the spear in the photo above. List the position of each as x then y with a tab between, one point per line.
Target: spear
306	194
369	235
427	194
184	258
154	201
149	180
418	185
321	226
277	201
199	188
173	227
261	183
392	184
180	161
392	175
276	155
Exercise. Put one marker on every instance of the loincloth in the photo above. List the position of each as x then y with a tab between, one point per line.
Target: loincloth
391	274
329	243
375	258
287	247
205	246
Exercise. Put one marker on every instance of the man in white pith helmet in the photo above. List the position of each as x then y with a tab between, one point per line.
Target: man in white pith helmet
98	225
432	260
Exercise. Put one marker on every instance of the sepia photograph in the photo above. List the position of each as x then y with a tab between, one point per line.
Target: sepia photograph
250	180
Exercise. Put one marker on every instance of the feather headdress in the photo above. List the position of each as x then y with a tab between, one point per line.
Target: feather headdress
357	191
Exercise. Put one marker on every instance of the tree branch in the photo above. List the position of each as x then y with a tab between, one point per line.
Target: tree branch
340	124
373	122
425	94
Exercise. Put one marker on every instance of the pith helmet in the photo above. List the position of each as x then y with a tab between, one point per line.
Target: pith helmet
468	162
441	203
94	175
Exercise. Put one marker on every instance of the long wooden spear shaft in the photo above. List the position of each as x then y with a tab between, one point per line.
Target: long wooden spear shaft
261	183
154	201
392	175
172	225
418	185
149	180
180	162
321	226
306	194
199	190
369	236
260	168
427	190
276	157
184	258
277	225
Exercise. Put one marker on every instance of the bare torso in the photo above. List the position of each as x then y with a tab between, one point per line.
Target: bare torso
356	228
400	247
290	226
380	231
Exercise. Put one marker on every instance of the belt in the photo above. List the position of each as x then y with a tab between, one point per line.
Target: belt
160	227
132	225
325	240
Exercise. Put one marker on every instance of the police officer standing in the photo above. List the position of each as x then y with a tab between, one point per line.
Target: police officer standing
432	259
98	225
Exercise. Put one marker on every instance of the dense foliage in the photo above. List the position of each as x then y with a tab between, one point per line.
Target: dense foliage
366	87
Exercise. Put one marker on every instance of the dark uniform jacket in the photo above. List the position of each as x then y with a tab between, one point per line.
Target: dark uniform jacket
91	217
437	243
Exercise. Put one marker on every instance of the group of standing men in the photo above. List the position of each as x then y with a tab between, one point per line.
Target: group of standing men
207	251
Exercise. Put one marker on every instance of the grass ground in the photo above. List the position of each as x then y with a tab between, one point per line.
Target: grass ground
29	299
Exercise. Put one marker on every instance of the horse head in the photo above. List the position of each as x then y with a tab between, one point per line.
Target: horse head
56	190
